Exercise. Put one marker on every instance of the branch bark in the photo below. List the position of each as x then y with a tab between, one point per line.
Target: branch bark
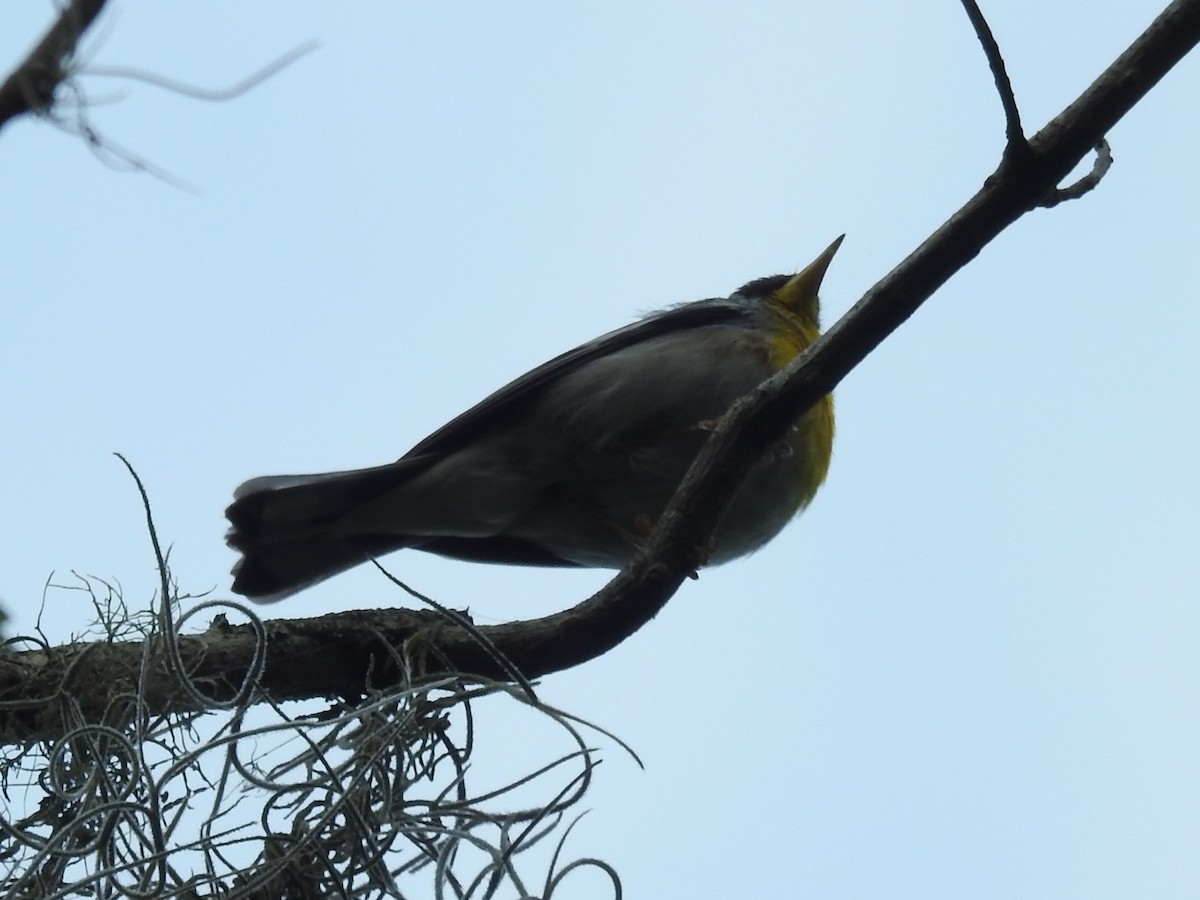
31	86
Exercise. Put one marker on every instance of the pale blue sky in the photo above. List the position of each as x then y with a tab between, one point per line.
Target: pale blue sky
970	670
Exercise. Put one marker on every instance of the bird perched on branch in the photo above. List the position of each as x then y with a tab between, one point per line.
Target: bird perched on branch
569	465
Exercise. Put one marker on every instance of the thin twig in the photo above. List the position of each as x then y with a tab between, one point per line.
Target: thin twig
1103	162
1017	142
246	84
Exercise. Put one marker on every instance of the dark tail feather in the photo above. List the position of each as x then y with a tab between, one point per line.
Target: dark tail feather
270	572
285	527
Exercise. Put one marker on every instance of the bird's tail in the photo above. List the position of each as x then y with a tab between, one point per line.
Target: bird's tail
286	527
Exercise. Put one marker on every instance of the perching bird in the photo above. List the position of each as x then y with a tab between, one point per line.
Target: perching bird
569	465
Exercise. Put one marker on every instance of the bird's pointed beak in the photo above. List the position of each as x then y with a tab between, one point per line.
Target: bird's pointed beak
801	289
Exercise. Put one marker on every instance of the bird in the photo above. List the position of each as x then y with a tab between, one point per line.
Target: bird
571	463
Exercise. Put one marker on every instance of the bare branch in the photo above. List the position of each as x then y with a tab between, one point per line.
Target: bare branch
44	84
1019	185
31	86
1012	115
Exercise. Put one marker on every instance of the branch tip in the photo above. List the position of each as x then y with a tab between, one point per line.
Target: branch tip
1012	115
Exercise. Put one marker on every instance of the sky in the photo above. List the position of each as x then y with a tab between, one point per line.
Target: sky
970	669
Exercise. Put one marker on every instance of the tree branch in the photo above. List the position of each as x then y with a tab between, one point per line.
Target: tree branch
31	86
1012	115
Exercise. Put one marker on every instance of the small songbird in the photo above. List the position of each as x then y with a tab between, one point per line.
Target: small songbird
568	465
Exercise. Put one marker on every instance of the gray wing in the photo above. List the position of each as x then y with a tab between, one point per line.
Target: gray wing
510	401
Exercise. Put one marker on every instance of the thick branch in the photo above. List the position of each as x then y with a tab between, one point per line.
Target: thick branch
31	86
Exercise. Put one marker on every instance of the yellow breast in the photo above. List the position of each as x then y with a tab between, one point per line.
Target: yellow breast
811	440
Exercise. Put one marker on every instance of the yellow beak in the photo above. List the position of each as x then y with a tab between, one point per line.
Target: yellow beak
801	289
